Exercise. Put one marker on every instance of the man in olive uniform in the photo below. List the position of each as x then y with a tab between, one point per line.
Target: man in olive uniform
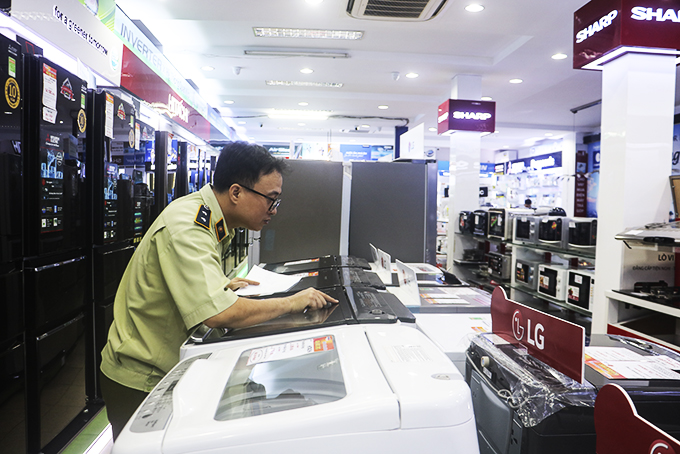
175	279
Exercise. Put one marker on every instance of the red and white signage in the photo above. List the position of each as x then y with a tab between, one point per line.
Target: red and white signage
465	115
558	343
604	29
619	428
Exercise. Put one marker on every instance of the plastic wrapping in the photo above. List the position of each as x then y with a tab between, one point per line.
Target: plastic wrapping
529	386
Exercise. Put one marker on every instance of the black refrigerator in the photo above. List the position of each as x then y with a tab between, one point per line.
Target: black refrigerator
110	193
12	368
58	308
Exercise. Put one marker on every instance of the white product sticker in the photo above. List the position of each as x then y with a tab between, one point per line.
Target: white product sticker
578	278
49	115
544	282
108	123
49	97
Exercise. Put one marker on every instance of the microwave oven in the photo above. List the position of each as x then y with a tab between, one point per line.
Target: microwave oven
466	222
526	273
499	265
526	229
481	223
582	232
553	230
500	221
580	288
552	280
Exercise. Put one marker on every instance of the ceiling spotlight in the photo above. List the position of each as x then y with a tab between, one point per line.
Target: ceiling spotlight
303	104
241	122
395	75
383	107
432	129
229	101
207	68
237	70
486	98
474	8
559	56
411	75
306	71
516	81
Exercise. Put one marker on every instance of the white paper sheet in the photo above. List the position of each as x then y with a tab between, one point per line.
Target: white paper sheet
269	282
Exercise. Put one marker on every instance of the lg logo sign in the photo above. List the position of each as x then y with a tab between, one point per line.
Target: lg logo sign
661	447
518	330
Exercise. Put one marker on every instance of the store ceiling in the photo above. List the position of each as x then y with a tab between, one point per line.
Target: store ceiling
507	40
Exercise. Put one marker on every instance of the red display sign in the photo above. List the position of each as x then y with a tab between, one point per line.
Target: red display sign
619	429
465	115
602	26
141	80
558	343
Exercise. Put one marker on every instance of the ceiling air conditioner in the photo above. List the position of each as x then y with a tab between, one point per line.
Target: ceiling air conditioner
395	10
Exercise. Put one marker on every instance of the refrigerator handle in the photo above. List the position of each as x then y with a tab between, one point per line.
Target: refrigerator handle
55	265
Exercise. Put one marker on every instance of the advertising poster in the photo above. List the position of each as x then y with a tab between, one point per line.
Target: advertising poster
593	178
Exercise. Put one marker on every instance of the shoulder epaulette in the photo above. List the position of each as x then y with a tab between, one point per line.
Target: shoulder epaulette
203	217
220	230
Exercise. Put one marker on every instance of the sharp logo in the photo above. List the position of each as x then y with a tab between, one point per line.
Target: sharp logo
604	22
518	330
655	14
482	116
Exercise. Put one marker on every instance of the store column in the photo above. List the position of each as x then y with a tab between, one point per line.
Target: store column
464	156
638	93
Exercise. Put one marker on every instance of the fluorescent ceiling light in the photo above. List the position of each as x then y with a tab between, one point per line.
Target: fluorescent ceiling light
559	56
432	129
411	75
486	98
306	70
299	114
292	53
294	83
275	32
516	81
474	8
303	104
383	107
229	101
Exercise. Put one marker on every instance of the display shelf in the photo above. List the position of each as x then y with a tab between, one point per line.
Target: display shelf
566	253
549	299
639	302
467	262
554	307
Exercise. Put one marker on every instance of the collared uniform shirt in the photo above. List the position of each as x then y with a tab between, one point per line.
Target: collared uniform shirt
174	281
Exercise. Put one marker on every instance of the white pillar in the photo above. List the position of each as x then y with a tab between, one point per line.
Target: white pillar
463	166
638	93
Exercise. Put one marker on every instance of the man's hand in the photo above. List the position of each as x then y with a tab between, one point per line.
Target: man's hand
239	282
311	299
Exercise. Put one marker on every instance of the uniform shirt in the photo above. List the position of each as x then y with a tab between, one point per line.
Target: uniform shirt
174	281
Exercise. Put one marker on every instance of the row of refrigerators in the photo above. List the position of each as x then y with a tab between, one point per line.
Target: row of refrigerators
69	219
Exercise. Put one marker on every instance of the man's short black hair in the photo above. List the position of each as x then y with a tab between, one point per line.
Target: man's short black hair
527	202
244	163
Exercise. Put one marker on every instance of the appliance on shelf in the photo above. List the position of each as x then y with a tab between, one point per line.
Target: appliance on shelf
526	273
466	222
499	265
553	230
580	288
552	280
657	292
582	232
501	221
526	229
481	223
317	263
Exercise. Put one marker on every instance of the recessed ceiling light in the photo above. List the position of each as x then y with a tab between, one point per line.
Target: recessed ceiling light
207	68
241	122
273	32
383	107
303	104
411	75
294	83
559	56
306	70
365	126
229	101
516	81
432	129
474	8
487	98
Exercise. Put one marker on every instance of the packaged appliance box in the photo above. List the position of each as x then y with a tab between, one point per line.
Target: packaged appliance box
582	232
499	265
481	223
526	273
466	221
552	280
526	229
554	230
580	287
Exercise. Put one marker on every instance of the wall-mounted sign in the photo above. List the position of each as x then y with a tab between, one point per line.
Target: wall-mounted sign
558	343
545	161
604	29
465	115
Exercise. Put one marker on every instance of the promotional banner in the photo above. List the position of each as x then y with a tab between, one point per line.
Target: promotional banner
604	26
593	178
556	342
466	115
412	143
541	162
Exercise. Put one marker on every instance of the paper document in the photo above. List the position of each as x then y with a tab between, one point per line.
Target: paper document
621	363
269	282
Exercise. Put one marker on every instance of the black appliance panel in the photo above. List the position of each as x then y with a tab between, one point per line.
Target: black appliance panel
550	229
109	266
583	232
481	223
11	306
465	221
317	263
498	220
12	399
580	289
526	273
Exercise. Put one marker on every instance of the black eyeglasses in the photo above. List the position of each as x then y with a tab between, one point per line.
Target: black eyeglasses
275	202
